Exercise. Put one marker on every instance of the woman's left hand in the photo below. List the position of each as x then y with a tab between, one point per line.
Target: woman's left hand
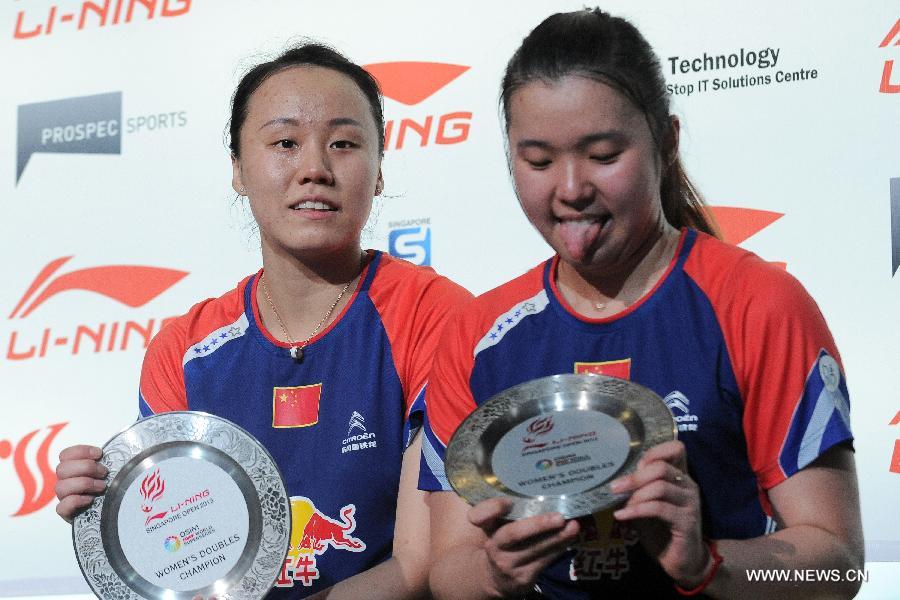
665	509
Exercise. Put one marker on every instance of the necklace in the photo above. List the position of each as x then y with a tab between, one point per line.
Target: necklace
296	350
599	305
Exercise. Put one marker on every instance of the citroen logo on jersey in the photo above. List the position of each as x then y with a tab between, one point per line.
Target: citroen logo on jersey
679	405
356	422
358	437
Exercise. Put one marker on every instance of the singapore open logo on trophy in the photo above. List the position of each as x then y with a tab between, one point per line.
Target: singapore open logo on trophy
195	506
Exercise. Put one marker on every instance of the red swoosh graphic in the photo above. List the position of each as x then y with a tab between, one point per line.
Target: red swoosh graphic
45	274
739	224
412	82
29	503
131	285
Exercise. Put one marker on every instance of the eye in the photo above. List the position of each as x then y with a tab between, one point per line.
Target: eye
605	158
344	145
538	165
286	144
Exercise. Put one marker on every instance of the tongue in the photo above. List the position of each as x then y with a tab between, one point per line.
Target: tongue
578	236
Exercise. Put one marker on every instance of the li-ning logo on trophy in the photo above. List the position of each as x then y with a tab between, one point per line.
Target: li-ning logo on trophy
536	429
152	488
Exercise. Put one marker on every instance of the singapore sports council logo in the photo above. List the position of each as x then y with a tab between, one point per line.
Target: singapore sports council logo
172	543
37	489
411	241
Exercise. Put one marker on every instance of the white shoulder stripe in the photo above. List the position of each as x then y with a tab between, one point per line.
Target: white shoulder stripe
511	318
216	339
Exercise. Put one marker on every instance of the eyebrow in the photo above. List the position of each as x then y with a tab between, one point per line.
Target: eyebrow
336	122
613	135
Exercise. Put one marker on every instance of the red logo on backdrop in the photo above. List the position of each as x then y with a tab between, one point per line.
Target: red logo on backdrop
68	15
892	38
296	406
411	83
131	285
739	224
152	488
36	494
610	368
895	459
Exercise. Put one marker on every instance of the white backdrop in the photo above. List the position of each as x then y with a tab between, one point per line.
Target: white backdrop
803	169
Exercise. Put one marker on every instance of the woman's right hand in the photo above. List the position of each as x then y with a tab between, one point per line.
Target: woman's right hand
517	551
79	478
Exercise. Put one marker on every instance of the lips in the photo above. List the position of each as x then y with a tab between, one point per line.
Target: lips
314	203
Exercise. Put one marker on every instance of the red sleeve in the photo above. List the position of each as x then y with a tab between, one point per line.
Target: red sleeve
777	341
414	304
162	374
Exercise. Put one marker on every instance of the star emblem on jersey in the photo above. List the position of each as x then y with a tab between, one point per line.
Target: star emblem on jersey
296	406
362	439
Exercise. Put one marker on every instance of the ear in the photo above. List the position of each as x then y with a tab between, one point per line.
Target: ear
670	144
379	183
236	183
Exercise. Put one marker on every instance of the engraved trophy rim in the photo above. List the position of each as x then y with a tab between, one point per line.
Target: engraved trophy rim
197	435
468	459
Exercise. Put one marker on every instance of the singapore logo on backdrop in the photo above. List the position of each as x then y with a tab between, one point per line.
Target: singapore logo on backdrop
48	18
411	83
83	125
131	285
410	239
37	488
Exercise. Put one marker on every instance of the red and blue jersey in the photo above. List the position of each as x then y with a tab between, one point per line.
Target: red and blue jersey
337	424
736	347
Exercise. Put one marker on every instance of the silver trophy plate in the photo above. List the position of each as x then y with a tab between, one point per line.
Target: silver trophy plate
554	444
194	506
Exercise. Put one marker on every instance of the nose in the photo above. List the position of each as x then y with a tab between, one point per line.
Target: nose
573	187
315	166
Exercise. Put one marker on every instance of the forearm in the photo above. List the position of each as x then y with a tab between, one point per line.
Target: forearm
462	573
777	556
389	580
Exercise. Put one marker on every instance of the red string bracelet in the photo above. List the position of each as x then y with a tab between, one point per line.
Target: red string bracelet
717	562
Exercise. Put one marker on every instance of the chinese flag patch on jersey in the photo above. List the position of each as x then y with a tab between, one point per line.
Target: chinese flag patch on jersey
611	368
296	406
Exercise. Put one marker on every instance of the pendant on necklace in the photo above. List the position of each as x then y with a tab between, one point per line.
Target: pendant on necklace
297	354
599	305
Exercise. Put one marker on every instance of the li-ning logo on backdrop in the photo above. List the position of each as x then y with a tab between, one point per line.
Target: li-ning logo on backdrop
892	38
93	14
152	488
410	240
85	125
36	495
739	224
131	285
411	83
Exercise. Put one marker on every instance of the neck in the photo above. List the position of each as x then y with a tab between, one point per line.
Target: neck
606	292
304	290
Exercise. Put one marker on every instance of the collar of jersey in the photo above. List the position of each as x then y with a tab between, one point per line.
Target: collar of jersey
251	307
621	319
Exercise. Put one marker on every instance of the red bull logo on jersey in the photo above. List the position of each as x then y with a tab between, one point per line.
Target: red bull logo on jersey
312	534
36	494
